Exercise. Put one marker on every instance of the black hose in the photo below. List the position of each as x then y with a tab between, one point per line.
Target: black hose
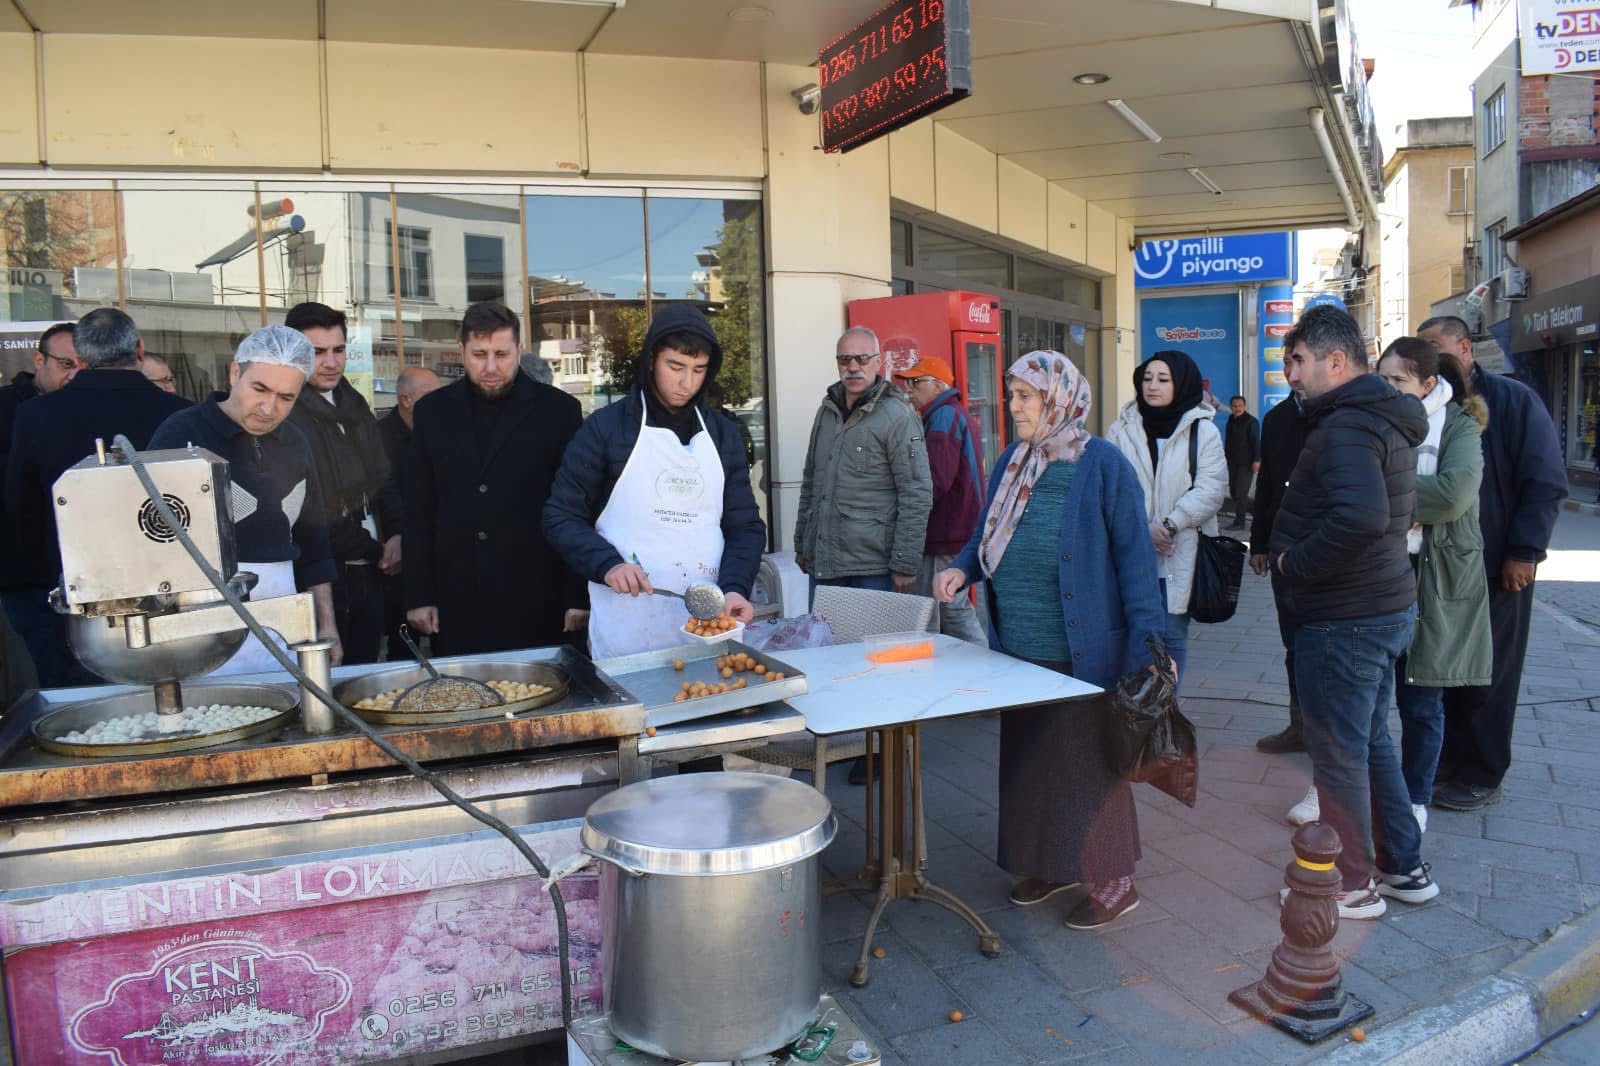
129	453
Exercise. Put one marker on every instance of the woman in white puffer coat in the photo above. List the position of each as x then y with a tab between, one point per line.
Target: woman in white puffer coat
1153	434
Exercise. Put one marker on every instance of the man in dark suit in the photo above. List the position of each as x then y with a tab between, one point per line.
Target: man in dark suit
479	574
52	433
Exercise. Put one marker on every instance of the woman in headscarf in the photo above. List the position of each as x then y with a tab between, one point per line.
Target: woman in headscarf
1063	507
1184	485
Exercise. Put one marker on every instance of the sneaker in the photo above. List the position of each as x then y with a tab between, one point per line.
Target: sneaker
1090	913
1460	796
1290	740
1307	810
1031	890
1358	904
1420	812
1414	887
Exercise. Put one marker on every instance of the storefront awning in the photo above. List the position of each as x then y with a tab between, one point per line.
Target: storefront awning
1555	319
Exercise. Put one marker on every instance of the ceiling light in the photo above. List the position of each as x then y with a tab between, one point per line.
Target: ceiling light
1175	157
1199	175
749	13
1121	108
1094	78
582	3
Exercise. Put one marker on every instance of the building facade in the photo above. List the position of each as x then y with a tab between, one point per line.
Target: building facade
1426	219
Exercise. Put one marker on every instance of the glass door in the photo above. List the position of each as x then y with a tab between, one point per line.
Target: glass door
985	396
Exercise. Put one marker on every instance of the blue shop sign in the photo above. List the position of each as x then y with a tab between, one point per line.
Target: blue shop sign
1206	328
1171	262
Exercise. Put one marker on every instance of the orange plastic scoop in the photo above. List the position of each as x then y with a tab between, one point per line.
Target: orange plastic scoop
902	653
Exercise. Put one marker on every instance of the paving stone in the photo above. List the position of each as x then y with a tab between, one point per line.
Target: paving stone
1430	983
1033	1015
903	994
979	829
1446	931
1152	1013
1381	948
1502	853
1553	837
1205	906
1243	874
1204	970
972	1042
844	916
1524	918
972	876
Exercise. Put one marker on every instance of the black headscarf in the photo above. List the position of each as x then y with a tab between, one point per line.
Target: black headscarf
1188	392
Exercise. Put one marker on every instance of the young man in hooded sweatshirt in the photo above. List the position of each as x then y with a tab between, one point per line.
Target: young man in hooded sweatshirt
1344	584
654	491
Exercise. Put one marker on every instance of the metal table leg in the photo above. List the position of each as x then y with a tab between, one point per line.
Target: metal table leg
902	849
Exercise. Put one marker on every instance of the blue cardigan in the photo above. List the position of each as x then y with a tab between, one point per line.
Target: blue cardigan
1107	570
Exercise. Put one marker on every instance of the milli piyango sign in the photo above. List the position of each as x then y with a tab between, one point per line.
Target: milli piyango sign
906	61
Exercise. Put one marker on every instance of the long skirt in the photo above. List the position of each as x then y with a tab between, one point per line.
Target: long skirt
1064	816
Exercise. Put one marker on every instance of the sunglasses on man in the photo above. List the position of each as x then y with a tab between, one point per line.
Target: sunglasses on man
858	360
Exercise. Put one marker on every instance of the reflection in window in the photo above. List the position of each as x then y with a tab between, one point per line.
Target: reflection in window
416	263
587	307
486	268
977	267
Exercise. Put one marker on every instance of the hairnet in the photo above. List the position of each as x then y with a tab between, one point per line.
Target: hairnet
277	344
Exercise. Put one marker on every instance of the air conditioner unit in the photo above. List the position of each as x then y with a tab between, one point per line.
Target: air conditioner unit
1514	284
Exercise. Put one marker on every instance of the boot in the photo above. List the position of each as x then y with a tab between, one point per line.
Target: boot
1282	743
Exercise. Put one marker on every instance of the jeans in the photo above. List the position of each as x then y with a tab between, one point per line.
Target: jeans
358	611
874	582
1345	676
1176	635
1421	734
956	618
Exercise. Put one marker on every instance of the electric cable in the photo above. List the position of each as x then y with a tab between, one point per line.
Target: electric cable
125	448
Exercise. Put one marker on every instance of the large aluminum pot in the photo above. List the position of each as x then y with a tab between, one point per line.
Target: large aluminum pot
711	912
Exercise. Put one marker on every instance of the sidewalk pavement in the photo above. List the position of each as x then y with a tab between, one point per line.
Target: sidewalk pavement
1507	954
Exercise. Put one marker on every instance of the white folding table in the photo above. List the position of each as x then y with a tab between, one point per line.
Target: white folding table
846	694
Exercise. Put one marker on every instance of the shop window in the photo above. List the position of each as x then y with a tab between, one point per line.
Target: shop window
486	268
900	242
1458	191
1494	250
1582	438
416	263
1055	283
1493	130
980	268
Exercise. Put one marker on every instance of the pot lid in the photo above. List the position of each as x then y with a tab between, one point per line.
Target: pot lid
702	824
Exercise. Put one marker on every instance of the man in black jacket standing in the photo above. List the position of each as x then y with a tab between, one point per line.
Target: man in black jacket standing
1241	446
1283	436
479	574
361	511
52	433
1524	482
655	491
412	385
1346	584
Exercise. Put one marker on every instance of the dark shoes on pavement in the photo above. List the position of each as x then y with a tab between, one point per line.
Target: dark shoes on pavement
1289	740
1460	796
1090	913
1031	890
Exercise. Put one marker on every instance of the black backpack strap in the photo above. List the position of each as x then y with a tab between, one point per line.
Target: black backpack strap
1194	449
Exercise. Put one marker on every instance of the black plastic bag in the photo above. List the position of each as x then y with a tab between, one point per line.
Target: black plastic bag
1218	571
1147	737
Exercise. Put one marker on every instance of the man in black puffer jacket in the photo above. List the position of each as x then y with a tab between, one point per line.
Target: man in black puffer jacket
1345	585
655	491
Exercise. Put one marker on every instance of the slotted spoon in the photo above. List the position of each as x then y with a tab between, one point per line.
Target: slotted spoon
441	693
704	601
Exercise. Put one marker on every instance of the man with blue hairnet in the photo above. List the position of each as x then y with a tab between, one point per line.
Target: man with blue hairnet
281	534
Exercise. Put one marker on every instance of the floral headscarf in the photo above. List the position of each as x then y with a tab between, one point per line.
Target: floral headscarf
1062	436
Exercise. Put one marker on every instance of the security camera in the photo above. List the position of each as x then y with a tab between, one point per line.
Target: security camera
809	97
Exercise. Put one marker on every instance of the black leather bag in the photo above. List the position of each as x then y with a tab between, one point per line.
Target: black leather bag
1147	737
1218	566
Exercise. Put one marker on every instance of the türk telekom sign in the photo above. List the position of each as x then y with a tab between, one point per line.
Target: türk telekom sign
1559	36
1555	319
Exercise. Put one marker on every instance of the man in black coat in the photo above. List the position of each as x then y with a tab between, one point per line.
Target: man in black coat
655	437
1347	587
1524	482
412	385
479	574
359	505
52	433
1283	435
1241	446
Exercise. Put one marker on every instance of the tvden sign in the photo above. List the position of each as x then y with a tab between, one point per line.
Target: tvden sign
907	60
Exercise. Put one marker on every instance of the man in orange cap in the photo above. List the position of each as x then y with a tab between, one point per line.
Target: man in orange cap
955	457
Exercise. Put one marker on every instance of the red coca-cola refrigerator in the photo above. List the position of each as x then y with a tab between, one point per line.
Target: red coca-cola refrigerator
963	329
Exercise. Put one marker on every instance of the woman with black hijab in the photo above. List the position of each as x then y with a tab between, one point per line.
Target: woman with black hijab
1181	496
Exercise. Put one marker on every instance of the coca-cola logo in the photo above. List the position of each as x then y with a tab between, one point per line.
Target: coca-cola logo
217	1000
979	312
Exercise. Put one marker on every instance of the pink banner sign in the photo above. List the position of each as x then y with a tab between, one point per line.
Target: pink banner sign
357	977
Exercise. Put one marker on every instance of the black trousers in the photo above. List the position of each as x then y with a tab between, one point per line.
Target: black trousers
358	608
1478	720
1239	478
45	633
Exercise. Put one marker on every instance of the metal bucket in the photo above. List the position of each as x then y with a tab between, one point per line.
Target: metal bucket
711	912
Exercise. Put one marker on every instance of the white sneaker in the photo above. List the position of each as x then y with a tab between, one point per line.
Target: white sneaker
1421	812
1360	904
1307	810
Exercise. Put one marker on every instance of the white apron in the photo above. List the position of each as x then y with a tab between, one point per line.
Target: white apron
276	579
665	515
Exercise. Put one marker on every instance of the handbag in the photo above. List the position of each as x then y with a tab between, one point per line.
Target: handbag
1147	737
1218	565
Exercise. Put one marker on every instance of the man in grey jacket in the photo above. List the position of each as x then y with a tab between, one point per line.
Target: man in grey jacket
867	491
